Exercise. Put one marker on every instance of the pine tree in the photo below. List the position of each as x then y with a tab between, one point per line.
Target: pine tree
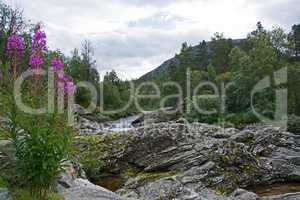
294	38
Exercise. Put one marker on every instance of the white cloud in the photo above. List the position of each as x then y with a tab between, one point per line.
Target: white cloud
161	20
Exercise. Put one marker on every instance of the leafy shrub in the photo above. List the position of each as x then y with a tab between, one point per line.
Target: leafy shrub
206	105
41	151
241	119
83	97
41	141
294	124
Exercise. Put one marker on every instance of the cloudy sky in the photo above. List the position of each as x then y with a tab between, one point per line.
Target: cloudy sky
135	36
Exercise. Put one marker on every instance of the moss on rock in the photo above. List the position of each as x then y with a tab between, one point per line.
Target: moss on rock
150	176
2	183
100	157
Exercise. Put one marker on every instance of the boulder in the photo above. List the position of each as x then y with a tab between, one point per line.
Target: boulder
88	127
71	172
291	196
241	194
73	185
80	110
84	190
4	194
157	116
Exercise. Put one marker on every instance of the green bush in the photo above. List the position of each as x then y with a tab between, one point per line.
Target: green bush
206	105
83	97
241	119
42	141
294	124
41	152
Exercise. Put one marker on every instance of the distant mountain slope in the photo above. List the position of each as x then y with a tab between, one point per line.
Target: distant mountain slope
193	52
162	68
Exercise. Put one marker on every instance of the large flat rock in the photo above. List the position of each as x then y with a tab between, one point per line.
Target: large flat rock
84	190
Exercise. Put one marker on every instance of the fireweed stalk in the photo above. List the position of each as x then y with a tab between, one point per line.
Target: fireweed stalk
38	49
64	83
15	49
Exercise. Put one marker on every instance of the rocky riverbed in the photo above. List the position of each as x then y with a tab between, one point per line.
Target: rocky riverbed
166	160
95	124
176	160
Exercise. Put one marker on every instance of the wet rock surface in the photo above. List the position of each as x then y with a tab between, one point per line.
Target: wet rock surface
291	196
88	126
96	123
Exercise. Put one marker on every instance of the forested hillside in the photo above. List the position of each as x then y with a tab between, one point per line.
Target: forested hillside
244	62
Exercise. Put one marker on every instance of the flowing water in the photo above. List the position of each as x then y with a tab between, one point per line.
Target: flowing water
123	124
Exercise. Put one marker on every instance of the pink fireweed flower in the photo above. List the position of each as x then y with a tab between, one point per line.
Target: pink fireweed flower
57	64
36	61
38	48
39	40
67	83
70	87
15	46
63	78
